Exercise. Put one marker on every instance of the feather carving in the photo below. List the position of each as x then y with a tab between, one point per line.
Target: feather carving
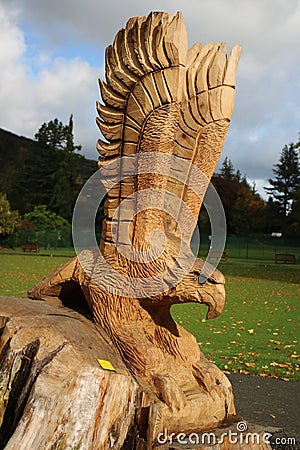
161	97
164	119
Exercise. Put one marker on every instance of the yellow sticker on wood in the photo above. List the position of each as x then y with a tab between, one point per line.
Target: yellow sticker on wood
107	365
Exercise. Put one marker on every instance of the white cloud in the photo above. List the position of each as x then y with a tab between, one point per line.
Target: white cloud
12	43
266	116
61	88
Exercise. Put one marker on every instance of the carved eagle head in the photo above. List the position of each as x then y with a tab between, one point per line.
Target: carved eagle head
197	288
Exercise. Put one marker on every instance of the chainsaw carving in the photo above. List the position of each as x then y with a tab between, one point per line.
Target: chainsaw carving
159	97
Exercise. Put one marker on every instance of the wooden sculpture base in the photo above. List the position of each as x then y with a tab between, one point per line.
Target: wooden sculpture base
55	395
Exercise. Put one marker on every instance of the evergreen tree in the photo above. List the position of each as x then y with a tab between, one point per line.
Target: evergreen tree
287	179
228	173
52	135
273	217
34	181
244	208
66	186
65	182
294	216
28	170
70	147
57	136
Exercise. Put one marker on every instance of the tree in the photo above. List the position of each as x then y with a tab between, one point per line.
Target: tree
28	172
244	208
50	229
70	147
66	186
248	213
57	136
52	135
273	217
65	180
8	219
228	173
294	216
287	179
42	218
34	181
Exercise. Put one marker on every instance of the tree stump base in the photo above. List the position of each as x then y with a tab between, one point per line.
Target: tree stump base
55	395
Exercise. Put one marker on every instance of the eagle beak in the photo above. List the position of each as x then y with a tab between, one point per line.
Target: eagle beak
215	300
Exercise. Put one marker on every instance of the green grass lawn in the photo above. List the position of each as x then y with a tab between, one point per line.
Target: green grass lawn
19	273
257	333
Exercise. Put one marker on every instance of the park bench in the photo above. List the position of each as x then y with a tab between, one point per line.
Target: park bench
30	248
218	255
285	258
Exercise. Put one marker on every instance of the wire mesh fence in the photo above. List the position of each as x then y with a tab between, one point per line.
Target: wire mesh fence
44	238
260	248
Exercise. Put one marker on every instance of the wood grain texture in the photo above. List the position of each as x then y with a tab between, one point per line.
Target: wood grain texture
158	97
54	394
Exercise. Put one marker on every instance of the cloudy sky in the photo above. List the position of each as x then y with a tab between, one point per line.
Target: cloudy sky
51	54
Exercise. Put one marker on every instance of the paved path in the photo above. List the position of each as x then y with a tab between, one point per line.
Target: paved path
269	402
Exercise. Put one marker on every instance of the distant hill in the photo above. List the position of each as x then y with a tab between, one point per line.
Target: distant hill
30	174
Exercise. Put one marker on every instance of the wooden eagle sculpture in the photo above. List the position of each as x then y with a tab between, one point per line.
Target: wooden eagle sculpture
165	114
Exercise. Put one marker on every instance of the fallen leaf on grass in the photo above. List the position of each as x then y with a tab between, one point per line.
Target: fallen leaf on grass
244	372
276	342
274	363
250	364
251	331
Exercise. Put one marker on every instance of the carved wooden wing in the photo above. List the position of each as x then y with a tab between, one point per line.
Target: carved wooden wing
160	97
206	112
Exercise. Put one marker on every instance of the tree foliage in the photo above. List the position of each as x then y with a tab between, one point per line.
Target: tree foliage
66	179
50	171
47	171
294	217
8	219
228	173
244	208
248	211
286	181
57	136
42	218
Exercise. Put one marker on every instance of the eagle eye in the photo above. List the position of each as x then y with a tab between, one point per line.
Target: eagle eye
202	278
